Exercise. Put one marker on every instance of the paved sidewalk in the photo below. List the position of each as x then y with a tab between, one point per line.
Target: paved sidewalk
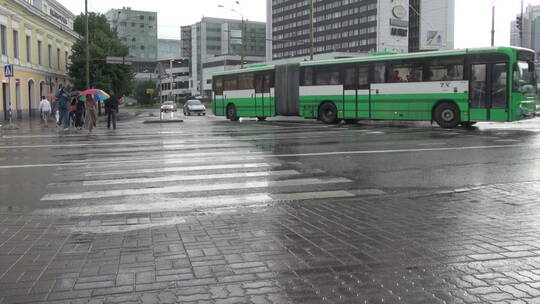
468	246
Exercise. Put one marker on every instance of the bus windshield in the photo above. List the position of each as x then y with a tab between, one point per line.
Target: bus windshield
524	79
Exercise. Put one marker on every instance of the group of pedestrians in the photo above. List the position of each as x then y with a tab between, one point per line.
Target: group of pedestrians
73	111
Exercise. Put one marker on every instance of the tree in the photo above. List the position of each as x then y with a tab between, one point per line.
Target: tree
142	95
103	42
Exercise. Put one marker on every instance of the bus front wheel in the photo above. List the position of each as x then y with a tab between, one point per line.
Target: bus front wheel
231	113
328	113
447	115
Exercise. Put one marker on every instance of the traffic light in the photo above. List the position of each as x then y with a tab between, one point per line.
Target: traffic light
519	23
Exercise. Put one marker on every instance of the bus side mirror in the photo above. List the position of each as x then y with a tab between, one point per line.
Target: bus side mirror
531	67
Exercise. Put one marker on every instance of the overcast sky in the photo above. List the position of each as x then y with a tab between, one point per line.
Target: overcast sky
473	17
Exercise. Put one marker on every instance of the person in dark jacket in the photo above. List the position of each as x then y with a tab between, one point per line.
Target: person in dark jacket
111	109
63	108
79	114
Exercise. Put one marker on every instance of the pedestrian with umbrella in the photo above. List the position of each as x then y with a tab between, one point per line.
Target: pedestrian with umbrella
91	97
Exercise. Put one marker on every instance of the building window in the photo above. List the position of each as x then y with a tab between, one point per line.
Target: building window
141	17
15	44
58	58
40	52
3	41
28	49
49	49
67	59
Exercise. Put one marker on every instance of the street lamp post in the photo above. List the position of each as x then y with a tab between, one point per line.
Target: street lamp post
311	29
493	24
243	48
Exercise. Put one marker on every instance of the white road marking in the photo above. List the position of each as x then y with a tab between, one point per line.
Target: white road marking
202	203
162	205
105	164
193	188
173	178
311	195
182	169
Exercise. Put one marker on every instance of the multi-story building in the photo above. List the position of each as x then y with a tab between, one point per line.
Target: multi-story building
215	37
174	79
36	36
185	42
168	49
137	30
530	29
360	26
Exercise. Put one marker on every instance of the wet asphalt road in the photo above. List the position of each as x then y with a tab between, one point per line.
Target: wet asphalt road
283	211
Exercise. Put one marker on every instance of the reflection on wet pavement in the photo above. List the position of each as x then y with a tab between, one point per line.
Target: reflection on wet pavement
140	217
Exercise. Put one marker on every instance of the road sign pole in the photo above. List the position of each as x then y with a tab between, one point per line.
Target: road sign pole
10	114
9	72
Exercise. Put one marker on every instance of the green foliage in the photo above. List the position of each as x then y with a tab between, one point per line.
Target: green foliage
140	92
103	42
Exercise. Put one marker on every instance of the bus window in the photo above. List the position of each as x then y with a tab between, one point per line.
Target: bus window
218	86
350	78
445	69
499	87
259	80
230	84
327	76
379	73
268	82
245	81
308	77
407	71
363	77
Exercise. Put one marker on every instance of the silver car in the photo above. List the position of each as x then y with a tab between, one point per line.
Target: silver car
168	106
195	107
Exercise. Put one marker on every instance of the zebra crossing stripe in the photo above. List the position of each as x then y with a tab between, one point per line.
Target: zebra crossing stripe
182	169
163	205
311	195
173	178
192	188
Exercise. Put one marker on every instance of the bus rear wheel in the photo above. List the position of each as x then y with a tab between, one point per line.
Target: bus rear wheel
447	115
231	113
261	118
328	113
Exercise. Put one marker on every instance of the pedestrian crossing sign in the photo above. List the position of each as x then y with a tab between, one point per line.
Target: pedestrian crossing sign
8	70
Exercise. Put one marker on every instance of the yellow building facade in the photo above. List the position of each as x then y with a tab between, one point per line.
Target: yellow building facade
36	36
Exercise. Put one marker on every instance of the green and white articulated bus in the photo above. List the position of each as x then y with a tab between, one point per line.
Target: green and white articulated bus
458	87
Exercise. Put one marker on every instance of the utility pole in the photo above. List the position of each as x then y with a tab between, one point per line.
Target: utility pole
311	29
493	25
87	46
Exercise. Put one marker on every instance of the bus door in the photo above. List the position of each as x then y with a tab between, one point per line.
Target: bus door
259	95
349	104
489	91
